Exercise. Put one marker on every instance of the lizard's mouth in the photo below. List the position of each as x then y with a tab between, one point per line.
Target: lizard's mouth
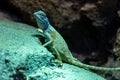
36	16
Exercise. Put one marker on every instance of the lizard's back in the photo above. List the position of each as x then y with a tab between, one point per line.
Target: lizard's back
62	47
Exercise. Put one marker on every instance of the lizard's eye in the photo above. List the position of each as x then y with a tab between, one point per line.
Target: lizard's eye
42	15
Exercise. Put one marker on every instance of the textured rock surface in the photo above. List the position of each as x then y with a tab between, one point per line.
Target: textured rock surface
22	57
16	43
117	44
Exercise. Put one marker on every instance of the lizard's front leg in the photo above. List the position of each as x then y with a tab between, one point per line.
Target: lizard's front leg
49	37
51	44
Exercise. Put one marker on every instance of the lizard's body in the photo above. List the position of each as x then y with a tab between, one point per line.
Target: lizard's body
58	44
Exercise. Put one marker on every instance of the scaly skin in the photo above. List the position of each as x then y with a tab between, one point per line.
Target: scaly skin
58	44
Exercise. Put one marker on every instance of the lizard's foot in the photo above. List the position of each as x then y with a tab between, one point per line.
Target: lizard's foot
59	62
40	30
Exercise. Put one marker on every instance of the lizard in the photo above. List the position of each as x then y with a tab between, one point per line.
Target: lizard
59	45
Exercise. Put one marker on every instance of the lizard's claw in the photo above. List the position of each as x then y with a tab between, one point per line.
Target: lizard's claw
59	62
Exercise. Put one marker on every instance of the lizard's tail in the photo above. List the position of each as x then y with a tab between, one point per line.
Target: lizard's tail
80	64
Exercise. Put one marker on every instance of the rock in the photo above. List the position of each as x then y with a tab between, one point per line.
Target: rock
116	50
60	12
118	12
23	58
103	16
116	47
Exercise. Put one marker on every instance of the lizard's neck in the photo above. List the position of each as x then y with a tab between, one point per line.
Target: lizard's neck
49	29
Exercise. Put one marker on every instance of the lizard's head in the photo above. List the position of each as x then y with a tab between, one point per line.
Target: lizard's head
42	20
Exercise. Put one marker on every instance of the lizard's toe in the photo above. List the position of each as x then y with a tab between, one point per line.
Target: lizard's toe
60	64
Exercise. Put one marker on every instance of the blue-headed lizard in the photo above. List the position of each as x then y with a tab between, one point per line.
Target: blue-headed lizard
58	44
